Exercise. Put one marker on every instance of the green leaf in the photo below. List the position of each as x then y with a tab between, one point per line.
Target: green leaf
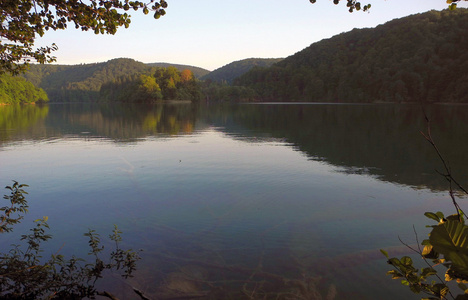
426	242
432	216
394	262
384	253
451	240
455	218
426	272
415	288
406	260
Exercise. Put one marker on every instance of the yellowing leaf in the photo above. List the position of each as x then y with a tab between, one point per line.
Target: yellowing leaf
451	240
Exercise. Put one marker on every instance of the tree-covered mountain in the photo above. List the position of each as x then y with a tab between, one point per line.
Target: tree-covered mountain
121	79
71	83
16	90
197	72
229	72
420	58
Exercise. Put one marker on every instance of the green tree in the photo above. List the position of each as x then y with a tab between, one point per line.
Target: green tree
16	90
21	21
149	88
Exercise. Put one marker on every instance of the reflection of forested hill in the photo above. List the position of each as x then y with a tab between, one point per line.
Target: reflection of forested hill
119	123
420	58
18	122
123	123
380	140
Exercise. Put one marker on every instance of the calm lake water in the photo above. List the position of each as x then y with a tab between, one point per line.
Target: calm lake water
225	201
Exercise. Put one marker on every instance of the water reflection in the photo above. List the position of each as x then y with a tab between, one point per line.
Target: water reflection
21	122
122	123
378	140
223	206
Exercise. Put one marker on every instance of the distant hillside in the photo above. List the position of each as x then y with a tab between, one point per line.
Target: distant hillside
65	83
198	72
121	79
235	69
420	58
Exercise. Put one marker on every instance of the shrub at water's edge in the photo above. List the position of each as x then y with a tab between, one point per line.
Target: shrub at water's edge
16	90
26	274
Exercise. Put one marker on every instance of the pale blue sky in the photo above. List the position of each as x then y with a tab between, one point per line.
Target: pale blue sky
213	33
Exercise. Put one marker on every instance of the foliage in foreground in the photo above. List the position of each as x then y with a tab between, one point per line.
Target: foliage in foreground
446	246
25	274
22	21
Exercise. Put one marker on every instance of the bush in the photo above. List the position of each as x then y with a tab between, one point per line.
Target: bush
24	274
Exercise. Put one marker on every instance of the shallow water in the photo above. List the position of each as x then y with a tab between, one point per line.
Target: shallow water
230	200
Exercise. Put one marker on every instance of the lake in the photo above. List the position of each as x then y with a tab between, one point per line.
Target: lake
235	200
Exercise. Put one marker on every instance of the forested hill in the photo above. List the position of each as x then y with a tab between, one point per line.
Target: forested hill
420	58
66	83
197	72
235	69
117	80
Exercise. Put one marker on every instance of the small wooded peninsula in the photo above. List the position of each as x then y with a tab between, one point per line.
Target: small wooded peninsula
122	80
421	58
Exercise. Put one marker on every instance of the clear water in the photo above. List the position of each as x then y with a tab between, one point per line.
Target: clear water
230	200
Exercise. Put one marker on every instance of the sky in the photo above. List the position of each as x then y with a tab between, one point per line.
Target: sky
213	33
